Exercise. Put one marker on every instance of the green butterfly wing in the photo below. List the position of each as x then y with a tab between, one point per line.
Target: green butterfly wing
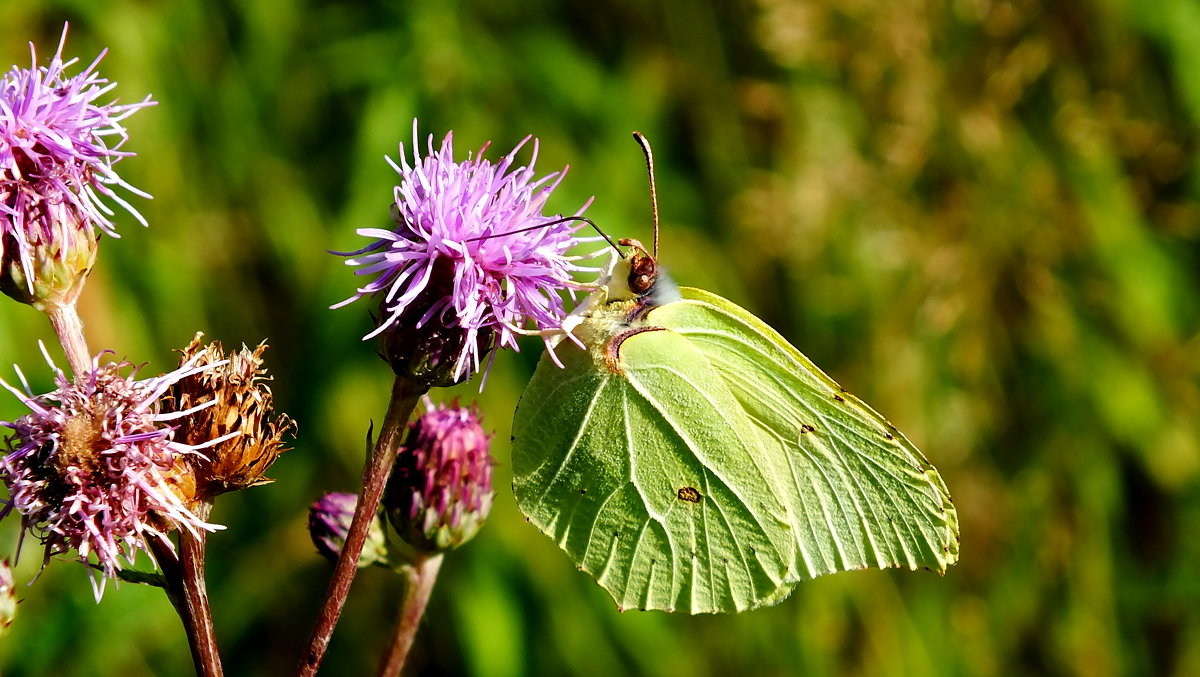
859	494
692	460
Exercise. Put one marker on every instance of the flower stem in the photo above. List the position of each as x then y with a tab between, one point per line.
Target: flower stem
188	594
375	475
195	590
419	580
69	328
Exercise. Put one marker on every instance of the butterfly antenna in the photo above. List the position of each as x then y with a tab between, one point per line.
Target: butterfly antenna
561	219
653	193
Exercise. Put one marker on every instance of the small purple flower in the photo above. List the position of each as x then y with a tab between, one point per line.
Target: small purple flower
471	251
58	146
440	491
95	467
329	523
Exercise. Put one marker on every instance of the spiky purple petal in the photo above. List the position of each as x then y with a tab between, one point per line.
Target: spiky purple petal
329	522
93	468
440	491
58	145
504	272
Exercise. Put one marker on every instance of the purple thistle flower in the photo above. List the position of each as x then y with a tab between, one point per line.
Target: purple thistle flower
466	253
95	468
329	522
57	151
440	491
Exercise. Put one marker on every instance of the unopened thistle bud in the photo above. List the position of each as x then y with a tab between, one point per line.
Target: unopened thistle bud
440	490
57	153
242	413
8	597
329	522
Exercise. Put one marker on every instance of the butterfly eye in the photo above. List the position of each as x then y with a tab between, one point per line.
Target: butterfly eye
642	274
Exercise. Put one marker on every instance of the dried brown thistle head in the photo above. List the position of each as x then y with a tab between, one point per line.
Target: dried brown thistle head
243	413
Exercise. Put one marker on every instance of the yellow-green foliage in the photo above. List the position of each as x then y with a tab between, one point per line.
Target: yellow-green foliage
979	215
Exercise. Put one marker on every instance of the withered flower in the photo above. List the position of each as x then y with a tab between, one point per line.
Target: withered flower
243	405
96	467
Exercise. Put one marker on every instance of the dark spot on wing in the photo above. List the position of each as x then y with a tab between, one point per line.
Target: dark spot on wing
806	428
689	494
839	398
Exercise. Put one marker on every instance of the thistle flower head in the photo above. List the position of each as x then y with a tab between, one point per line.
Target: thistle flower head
95	467
58	145
470	262
237	409
440	491
329	522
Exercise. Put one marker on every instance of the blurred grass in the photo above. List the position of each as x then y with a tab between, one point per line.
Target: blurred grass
979	215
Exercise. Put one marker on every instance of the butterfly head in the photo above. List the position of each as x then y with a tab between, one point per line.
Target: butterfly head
643	268
630	283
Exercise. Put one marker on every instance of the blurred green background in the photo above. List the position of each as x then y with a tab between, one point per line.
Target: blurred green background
979	215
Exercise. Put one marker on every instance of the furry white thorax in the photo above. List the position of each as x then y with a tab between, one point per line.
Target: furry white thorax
613	286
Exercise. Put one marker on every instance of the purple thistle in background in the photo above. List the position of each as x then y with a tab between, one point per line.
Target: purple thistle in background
329	521
58	146
466	261
95	467
440	491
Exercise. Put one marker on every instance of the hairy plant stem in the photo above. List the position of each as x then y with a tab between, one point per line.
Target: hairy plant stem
184	575
405	394
69	329
419	579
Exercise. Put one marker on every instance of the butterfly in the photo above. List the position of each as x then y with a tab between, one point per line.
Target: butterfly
690	459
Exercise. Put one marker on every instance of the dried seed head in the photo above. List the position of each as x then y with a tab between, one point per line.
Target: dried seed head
243	413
